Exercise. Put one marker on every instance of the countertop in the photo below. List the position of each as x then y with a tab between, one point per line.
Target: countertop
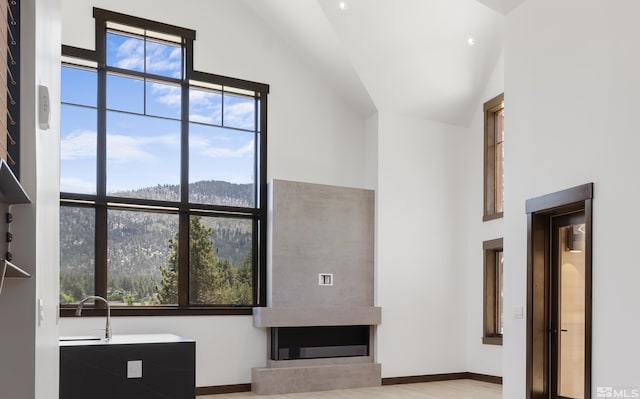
124	339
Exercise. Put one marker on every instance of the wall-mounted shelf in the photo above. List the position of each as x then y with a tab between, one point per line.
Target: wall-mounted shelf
11	191
9	270
14	271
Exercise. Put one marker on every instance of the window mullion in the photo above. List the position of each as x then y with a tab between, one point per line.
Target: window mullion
183	259
183	226
101	251
101	134
101	235
260	263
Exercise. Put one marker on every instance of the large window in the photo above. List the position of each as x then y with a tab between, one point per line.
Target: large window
493	309
163	176
493	157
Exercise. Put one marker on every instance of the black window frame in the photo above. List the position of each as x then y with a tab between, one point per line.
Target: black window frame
102	202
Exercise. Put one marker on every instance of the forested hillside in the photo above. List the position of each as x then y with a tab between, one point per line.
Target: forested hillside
142	247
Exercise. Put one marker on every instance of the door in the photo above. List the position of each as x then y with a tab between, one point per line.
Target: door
567	324
559	280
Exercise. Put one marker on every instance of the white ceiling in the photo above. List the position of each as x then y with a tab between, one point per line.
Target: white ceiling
502	6
410	57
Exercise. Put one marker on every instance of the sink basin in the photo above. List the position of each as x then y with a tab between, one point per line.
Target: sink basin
79	338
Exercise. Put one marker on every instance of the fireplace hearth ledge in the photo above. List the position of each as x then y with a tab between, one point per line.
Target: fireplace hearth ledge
316	316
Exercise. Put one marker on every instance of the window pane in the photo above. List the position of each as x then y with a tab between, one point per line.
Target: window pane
499	177
239	112
220	261
205	106
125	52
499	160
77	253
79	86
78	149
221	166
164	59
500	126
163	100
499	289
142	258
125	94
143	157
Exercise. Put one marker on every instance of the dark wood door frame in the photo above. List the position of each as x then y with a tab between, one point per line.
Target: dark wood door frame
539	211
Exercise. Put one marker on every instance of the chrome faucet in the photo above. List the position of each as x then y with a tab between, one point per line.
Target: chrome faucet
107	330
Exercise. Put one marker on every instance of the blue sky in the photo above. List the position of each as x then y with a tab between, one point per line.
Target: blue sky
143	150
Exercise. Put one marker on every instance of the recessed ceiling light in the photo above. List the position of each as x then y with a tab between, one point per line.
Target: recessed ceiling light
471	41
343	5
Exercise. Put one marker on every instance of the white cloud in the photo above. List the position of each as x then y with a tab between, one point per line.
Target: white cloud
75	185
120	148
206	107
163	58
159	57
204	147
78	145
240	115
123	149
130	54
204	98
201	118
167	95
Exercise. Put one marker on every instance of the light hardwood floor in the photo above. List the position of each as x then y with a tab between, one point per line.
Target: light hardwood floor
458	389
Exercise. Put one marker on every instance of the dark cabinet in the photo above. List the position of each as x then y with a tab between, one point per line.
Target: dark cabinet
138	370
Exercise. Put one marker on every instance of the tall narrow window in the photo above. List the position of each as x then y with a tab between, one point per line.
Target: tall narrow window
493	309
163	176
493	158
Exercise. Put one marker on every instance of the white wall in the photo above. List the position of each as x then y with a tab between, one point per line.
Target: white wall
429	243
572	84
480	358
29	360
313	136
419	275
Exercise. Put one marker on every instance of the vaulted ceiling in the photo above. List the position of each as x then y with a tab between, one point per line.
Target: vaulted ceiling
411	57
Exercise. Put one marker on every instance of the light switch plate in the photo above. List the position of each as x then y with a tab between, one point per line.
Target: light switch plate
518	312
325	279
134	369
40	312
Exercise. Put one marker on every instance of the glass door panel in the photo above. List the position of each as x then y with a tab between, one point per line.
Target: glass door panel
569	309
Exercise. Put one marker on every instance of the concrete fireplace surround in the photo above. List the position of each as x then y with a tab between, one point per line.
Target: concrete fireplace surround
316	229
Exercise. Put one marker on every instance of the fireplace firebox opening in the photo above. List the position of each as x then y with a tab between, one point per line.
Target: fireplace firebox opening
290	343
